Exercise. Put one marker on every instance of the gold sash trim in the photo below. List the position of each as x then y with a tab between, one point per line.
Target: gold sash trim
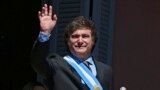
96	87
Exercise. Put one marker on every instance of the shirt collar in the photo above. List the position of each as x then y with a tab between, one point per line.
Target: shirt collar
89	59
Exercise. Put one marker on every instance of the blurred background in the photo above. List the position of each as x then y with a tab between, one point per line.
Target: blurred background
128	39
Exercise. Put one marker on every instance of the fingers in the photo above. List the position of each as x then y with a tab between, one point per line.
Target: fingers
39	14
45	11
50	11
55	17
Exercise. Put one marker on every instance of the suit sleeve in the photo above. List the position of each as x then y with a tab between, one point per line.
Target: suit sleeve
38	58
109	78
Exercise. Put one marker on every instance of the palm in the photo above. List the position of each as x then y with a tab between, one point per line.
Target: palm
47	23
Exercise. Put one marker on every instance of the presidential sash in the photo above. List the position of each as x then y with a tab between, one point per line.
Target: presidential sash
85	74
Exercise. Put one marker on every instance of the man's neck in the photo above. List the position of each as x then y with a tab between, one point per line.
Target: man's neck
81	57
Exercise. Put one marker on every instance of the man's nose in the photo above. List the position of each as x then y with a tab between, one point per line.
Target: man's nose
80	43
80	39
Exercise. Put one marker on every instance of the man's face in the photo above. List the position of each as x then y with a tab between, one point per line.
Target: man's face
81	43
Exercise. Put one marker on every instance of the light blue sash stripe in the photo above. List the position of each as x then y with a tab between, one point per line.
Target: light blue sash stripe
82	76
90	73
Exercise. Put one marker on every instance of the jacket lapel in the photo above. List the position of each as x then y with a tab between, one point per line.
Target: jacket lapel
99	70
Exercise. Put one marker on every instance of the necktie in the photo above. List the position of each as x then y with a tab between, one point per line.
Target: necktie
87	64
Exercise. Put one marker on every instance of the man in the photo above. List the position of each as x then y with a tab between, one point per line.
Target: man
76	71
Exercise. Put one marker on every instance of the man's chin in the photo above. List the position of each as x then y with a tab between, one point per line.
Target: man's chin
80	51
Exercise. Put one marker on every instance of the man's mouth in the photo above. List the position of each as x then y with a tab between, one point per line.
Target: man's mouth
80	46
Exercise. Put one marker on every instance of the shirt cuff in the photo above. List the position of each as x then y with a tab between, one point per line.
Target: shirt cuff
43	37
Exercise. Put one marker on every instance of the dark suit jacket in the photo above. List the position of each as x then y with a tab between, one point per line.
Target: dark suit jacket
59	75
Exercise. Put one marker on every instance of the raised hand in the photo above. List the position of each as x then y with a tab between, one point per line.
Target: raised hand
47	19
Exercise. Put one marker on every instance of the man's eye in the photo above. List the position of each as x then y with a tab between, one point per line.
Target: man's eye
85	36
75	36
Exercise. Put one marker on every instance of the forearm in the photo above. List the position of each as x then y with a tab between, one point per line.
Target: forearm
38	58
